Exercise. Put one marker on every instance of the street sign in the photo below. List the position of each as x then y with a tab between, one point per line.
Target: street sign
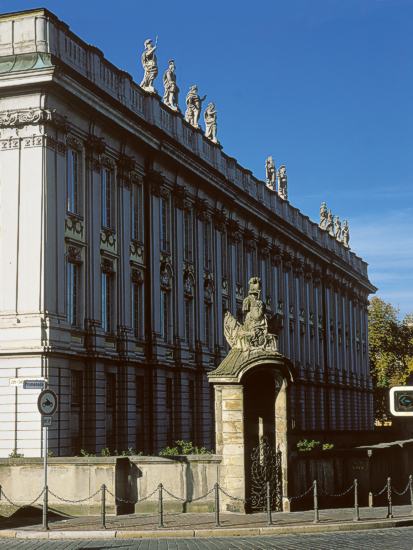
34	384
47	402
401	401
46	421
29	383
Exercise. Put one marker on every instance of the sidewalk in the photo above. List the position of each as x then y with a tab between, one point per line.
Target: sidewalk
191	525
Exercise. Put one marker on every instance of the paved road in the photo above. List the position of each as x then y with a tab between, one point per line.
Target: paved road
377	539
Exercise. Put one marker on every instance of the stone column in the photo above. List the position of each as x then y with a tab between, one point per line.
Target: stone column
229	424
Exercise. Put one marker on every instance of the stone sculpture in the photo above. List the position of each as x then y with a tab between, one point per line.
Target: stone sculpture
193	106
150	66
330	223
253	333
171	90
282	182
270	173
337	228
323	215
210	117
346	234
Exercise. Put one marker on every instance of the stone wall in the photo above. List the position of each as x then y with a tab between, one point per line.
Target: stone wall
128	478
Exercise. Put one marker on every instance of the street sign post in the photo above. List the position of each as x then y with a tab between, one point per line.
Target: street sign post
29	383
401	401
47	404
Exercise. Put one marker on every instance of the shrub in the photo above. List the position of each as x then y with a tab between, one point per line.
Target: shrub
15	454
305	445
328	446
182	447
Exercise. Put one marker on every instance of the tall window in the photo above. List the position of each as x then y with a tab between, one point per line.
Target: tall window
191	409
208	320
164	223
107	300
165	314
73	181
72	297
111	410
137	309
239	258
107	198
224	254
189	320
140	412
169	402
188	236
207	244
76	410
136	214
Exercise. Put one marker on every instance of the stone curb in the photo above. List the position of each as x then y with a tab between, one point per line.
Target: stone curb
207	533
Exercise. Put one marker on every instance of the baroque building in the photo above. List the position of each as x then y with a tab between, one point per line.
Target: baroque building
125	236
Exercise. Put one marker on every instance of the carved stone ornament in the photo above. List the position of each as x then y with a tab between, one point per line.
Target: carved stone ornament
270	173
282	182
74	254
26	117
208	287
253	333
189	283
166	276
137	276
107	265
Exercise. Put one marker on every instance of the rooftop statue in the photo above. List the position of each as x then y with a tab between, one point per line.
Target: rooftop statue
282	182
330	223
323	216
210	117
171	90
193	106
337	228
270	173
346	234
150	66
253	334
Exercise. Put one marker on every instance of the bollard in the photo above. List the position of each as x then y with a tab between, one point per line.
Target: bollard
269	517
356	501
160	506
389	503
410	487
103	506
45	511
315	496
217	523
370	499
1	489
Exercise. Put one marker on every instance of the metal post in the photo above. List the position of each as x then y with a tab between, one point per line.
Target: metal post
410	487
356	501
103	506
217	522
389	503
269	517
315	496
160	506
45	494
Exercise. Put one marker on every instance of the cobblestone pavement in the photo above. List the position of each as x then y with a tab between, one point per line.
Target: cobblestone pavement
380	539
204	520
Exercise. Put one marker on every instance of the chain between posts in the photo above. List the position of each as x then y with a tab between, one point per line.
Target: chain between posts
75	501
3	494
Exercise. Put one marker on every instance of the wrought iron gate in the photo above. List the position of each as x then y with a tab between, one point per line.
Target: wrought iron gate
266	467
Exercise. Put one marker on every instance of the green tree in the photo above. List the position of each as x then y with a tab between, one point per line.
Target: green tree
390	352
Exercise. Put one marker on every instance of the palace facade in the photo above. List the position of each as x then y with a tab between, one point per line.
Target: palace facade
125	236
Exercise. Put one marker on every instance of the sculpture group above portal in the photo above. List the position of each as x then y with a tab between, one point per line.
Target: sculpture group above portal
150	66
253	334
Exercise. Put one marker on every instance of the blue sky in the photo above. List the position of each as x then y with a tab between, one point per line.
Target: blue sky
325	86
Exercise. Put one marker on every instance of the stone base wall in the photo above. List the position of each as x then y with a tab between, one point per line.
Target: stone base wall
128	478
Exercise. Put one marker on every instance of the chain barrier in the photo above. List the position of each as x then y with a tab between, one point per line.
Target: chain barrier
380	492
230	496
74	501
3	494
125	501
302	494
172	495
203	496
337	494
402	492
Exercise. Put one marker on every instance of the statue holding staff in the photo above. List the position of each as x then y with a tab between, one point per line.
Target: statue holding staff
323	216
150	66
282	182
270	173
346	234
